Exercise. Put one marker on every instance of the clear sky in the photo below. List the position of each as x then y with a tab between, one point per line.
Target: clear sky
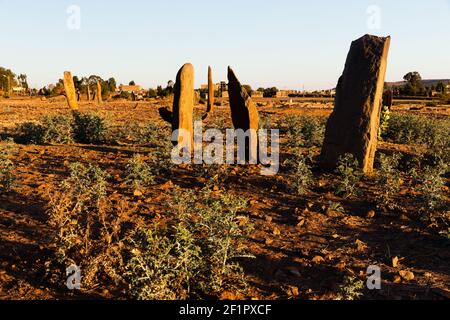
283	43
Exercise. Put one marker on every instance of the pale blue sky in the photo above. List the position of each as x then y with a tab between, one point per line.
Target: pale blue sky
283	43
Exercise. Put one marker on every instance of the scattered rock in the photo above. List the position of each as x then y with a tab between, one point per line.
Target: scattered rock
318	259
406	275
371	214
395	262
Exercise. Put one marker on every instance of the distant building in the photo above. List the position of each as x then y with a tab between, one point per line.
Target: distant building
130	89
19	90
257	94
286	93
205	87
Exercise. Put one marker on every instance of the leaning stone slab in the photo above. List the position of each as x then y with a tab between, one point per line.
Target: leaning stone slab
354	123
244	112
71	94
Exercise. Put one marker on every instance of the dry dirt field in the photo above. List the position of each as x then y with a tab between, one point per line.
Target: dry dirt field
303	246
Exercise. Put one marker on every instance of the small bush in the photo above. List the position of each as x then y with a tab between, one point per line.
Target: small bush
194	256
89	128
431	184
7	167
405	129
30	133
265	122
125	95
88	229
161	159
305	131
300	176
55	129
411	129
388	179
349	176
351	289
138	174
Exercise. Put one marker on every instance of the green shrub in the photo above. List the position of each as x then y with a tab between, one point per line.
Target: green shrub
305	131
405	129
351	289
349	176
89	231
265	122
124	95
300	177
193	256
30	133
138	174
89	128
313	132
55	129
431	184
411	129
7	167
388	178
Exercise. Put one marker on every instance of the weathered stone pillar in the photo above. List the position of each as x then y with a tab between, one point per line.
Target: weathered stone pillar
183	107
88	92
69	87
99	92
354	123
210	91
8	88
244	113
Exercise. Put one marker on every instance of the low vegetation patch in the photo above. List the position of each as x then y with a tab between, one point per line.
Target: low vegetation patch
7	176
349	175
305	131
139	174
196	254
89	231
89	128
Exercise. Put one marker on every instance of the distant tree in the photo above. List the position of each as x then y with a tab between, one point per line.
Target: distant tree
132	83
270	92
152	93
78	83
248	88
23	81
161	92
413	77
170	86
440	87
414	85
112	84
6	74
58	89
261	90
